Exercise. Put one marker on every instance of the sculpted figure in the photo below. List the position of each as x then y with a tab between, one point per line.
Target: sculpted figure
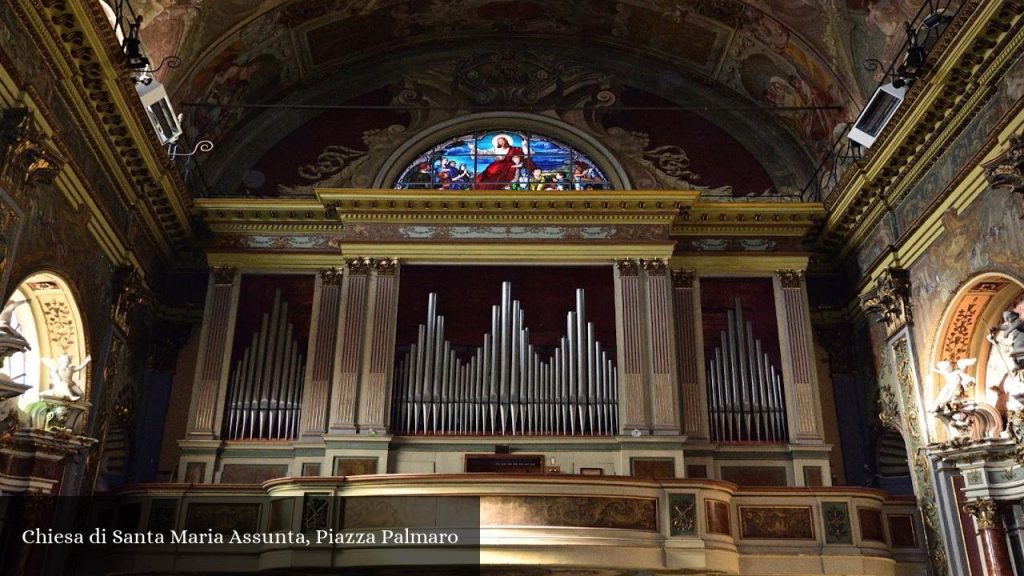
956	383
1008	337
10	340
62	372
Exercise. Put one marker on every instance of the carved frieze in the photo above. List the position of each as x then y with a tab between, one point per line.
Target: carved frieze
889	302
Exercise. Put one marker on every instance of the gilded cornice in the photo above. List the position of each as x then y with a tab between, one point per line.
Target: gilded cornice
750	219
79	45
975	50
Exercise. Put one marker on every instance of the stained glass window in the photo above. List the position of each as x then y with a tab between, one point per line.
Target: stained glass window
503	160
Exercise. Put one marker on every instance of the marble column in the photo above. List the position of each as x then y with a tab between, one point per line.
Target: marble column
375	383
323	337
995	553
349	347
803	402
690	354
215	342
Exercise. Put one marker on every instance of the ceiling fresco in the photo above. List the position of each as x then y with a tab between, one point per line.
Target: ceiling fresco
787	55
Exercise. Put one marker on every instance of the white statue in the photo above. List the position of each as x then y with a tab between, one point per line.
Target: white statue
957	382
62	372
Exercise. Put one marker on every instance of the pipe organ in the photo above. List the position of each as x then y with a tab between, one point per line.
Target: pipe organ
265	390
507	386
744	388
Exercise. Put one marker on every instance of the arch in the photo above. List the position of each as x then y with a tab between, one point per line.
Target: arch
51	321
409	152
962	333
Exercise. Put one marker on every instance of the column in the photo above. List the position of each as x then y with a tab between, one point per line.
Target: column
993	536
323	337
375	384
690	354
215	342
661	349
349	347
803	403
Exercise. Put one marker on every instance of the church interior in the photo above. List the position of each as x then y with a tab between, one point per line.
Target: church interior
594	288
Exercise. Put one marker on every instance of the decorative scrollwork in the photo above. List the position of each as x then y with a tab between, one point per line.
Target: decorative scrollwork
889	302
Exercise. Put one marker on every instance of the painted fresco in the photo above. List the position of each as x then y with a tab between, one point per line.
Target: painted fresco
778	53
987	236
963	154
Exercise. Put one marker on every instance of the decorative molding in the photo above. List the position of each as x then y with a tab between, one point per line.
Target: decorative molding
889	302
790	278
776	522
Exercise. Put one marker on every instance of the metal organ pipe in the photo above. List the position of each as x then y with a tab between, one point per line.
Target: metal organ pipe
745	395
265	387
507	386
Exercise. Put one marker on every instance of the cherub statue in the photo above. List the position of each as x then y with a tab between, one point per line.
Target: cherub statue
62	372
956	384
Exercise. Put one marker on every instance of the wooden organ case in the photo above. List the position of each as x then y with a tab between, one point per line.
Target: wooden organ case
594	332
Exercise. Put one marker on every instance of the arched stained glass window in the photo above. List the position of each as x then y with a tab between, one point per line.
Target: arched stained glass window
503	160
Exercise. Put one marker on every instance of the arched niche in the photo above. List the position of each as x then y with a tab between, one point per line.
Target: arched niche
972	312
50	321
517	123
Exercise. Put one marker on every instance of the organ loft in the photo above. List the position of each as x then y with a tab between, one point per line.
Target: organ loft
512	287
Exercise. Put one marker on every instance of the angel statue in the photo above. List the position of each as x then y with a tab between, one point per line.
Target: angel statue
11	341
63	373
956	384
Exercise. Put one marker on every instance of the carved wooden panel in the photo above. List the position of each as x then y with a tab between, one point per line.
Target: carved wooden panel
777	522
903	531
222	517
717	516
755	475
871	524
252	473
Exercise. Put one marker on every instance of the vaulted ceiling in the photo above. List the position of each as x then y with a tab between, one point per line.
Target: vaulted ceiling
765	79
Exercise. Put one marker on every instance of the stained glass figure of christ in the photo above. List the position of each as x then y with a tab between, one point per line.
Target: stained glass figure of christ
504	160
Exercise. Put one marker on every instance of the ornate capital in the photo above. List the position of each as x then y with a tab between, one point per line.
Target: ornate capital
985	513
628	267
1006	171
683	278
384	266
889	302
790	278
654	266
223	275
331	276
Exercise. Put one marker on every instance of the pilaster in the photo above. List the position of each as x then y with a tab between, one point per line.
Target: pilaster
803	400
689	353
349	347
382	310
215	342
323	336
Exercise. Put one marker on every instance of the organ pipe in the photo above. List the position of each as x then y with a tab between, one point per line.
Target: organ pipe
507	386
745	395
265	387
